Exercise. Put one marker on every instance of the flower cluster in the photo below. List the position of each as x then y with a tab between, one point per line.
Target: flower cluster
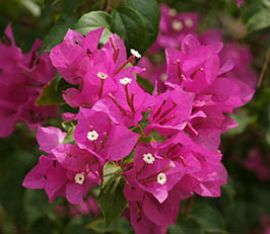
22	77
166	143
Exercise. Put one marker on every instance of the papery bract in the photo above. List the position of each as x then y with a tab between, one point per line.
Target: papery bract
98	133
22	78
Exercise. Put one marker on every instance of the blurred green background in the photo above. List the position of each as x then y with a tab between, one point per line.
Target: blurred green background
245	204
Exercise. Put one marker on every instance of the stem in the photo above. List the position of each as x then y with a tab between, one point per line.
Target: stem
101	88
141	130
264	68
107	6
115	49
130	99
129	60
117	104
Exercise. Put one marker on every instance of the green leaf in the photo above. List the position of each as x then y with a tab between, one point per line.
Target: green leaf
243	119
209	218
129	24
111	199
57	33
150	12
7	226
35	205
145	84
110	173
31	6
51	93
186	227
70	129
259	20
42	226
76	225
120	226
93	20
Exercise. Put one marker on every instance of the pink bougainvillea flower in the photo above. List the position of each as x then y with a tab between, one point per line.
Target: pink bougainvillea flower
154	173
242	73
97	83
258	164
204	170
98	133
147	215
195	67
154	72
18	105
173	27
99	69
49	138
47	175
22	78
236	82
209	179
83	171
72	56
170	112
171	137
87	207
116	47
239	2
11	56
101	81
19	68
33	115
129	102
68	171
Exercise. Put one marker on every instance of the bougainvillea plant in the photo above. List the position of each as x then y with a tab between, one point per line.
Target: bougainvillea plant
128	105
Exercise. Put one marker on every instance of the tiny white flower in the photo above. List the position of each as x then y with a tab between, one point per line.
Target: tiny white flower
149	158
183	77
92	135
189	22
177	25
163	77
135	53
102	75
171	165
172	12
125	81
161	178
79	178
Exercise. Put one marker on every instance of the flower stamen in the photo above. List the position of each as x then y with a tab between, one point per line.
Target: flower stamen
79	178
92	135
162	178
148	158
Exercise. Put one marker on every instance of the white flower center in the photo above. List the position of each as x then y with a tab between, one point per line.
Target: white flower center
189	22
161	178
79	178
149	158
92	135
125	81
172	12
177	25
102	75
135	53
